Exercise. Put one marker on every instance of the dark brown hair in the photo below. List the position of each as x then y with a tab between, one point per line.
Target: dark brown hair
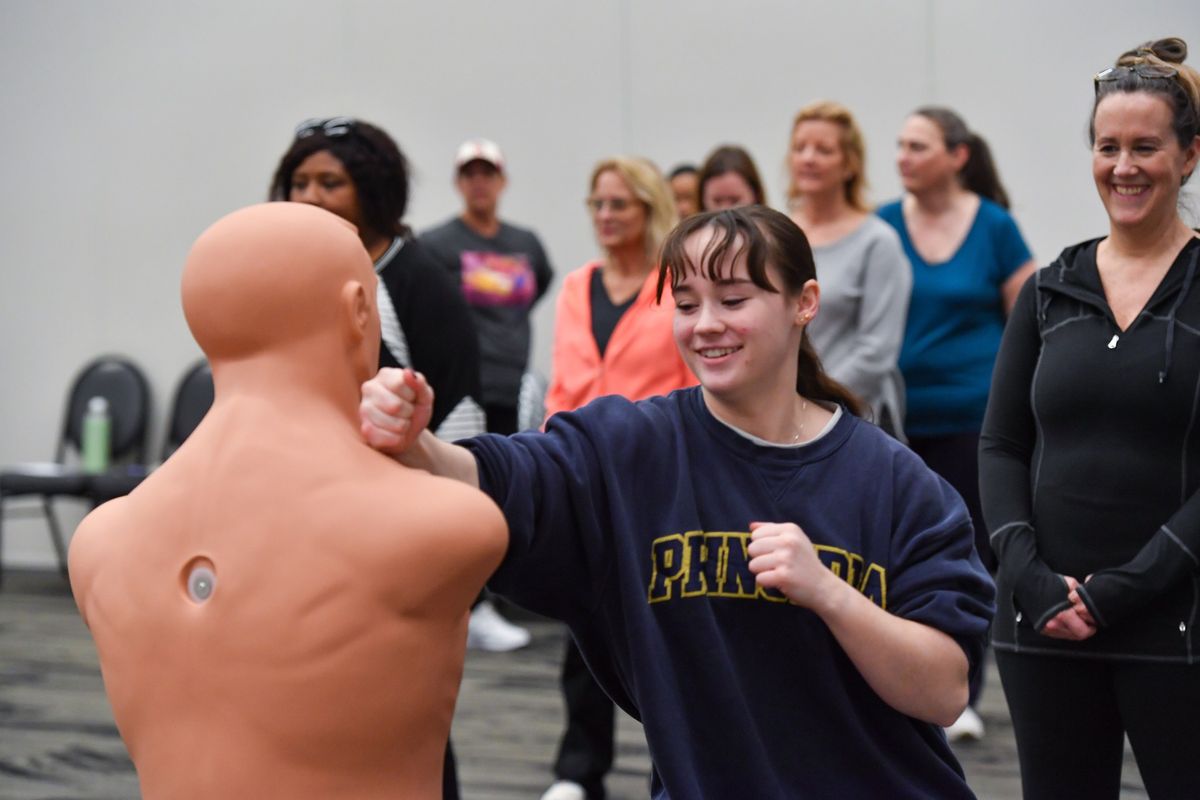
1181	91
761	236
979	173
731	158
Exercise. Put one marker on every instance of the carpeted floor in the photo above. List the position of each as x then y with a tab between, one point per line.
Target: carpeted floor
57	738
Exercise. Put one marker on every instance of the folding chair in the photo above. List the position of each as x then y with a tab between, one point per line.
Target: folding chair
124	386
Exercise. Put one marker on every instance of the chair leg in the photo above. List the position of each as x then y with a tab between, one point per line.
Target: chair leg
60	549
1	540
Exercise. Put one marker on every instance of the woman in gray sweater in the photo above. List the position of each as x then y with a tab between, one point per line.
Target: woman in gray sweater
865	277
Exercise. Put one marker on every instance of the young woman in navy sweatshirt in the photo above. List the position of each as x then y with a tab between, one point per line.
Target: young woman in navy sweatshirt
786	597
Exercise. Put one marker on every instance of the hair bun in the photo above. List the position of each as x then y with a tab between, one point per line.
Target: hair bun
1172	50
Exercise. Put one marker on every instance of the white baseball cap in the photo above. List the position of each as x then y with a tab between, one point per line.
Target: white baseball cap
479	150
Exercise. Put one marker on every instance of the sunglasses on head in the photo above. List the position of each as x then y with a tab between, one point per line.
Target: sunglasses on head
331	127
1141	70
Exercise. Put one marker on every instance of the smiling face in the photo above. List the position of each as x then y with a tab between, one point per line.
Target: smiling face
738	338
727	190
618	215
817	160
1137	162
922	158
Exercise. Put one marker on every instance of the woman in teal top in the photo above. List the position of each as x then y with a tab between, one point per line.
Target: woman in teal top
969	261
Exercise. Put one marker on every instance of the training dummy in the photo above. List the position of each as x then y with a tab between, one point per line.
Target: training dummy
279	610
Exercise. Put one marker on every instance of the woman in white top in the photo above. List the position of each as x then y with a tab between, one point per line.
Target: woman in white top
865	276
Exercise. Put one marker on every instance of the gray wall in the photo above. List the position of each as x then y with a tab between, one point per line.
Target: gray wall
130	126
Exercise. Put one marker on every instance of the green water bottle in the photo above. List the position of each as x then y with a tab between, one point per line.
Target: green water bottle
97	436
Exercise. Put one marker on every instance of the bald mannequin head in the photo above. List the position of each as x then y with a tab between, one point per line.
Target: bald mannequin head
282	278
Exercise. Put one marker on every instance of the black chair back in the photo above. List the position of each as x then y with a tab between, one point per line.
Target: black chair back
193	398
127	391
124	386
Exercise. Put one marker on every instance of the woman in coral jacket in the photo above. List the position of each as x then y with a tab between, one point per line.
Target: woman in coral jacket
611	336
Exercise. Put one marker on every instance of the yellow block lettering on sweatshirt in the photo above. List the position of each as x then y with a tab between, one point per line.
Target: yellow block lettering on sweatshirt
716	564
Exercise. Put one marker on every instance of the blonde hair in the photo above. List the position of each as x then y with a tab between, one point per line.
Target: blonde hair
853	149
647	184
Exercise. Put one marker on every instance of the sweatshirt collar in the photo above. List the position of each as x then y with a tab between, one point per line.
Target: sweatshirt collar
747	448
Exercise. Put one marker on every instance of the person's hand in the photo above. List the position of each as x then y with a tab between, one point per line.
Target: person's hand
397	405
1069	623
1077	602
782	557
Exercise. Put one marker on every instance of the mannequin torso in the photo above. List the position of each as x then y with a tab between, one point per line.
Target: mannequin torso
318	649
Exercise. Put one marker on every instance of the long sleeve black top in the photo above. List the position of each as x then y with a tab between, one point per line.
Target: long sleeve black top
1090	463
436	335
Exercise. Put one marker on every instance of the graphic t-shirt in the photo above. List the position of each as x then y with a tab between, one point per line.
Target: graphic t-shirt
501	278
497	279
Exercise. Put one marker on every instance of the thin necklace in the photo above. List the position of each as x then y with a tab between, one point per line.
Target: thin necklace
800	430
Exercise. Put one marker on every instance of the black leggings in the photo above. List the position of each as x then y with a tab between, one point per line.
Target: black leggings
1070	717
585	753
956	458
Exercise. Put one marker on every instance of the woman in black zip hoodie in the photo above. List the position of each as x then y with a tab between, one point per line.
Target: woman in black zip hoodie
1090	464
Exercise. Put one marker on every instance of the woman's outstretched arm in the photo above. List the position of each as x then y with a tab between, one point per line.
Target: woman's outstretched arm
394	415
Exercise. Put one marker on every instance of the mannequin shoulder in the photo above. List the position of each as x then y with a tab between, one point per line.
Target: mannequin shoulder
96	541
429	508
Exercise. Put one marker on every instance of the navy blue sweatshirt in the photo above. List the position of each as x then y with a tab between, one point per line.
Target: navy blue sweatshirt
629	521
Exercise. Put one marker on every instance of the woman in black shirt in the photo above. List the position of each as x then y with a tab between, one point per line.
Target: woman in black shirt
1090	463
357	171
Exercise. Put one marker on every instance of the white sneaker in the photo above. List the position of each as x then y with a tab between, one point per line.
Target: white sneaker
565	790
487	630
968	727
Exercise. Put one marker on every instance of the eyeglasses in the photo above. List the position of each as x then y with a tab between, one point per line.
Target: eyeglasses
332	127
1141	70
617	204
